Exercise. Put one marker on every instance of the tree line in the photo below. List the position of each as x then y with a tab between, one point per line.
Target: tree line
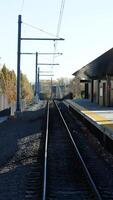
8	85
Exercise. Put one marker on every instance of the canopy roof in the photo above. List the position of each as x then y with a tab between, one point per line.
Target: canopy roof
100	67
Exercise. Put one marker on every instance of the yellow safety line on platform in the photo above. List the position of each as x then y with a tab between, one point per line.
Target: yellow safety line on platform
94	116
99	119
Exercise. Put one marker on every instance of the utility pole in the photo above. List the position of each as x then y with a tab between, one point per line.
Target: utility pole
48	74
38	83
18	64
36	78
37	71
51	87
18	106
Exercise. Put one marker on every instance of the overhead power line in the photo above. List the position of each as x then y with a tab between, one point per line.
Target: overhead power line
59	25
60	17
39	29
22	6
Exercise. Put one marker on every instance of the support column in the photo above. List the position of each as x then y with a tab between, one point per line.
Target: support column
38	87
86	90
98	91
18	106
51	88
92	89
108	90
36	73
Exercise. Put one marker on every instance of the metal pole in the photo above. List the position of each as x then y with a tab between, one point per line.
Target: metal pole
36	74
53	39
18	108
51	87
38	83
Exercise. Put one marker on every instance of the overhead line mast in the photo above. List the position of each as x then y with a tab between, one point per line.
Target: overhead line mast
18	106
37	71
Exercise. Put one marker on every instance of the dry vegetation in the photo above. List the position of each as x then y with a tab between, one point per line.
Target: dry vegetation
8	85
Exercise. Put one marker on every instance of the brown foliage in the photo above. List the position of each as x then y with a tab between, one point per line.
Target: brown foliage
8	79
8	85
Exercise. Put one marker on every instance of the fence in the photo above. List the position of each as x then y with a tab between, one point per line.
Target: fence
4	104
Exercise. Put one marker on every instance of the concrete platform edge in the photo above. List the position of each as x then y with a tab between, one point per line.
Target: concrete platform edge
105	130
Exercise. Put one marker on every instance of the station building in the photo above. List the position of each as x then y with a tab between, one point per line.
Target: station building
96	79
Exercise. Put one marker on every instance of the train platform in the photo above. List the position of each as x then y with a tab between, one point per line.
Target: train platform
100	116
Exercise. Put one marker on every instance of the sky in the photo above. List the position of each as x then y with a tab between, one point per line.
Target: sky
87	27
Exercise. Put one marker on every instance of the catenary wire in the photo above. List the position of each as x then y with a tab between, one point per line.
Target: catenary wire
59	26
22	6
36	28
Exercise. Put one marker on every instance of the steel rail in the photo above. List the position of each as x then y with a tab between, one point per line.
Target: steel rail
87	173
45	156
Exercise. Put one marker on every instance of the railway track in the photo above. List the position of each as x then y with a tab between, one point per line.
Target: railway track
92	153
65	173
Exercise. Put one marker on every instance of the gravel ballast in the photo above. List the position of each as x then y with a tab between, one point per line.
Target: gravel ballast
19	150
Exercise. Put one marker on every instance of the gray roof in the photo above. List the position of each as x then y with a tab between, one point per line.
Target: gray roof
100	67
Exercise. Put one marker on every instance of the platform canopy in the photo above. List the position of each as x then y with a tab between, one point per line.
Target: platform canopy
99	68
